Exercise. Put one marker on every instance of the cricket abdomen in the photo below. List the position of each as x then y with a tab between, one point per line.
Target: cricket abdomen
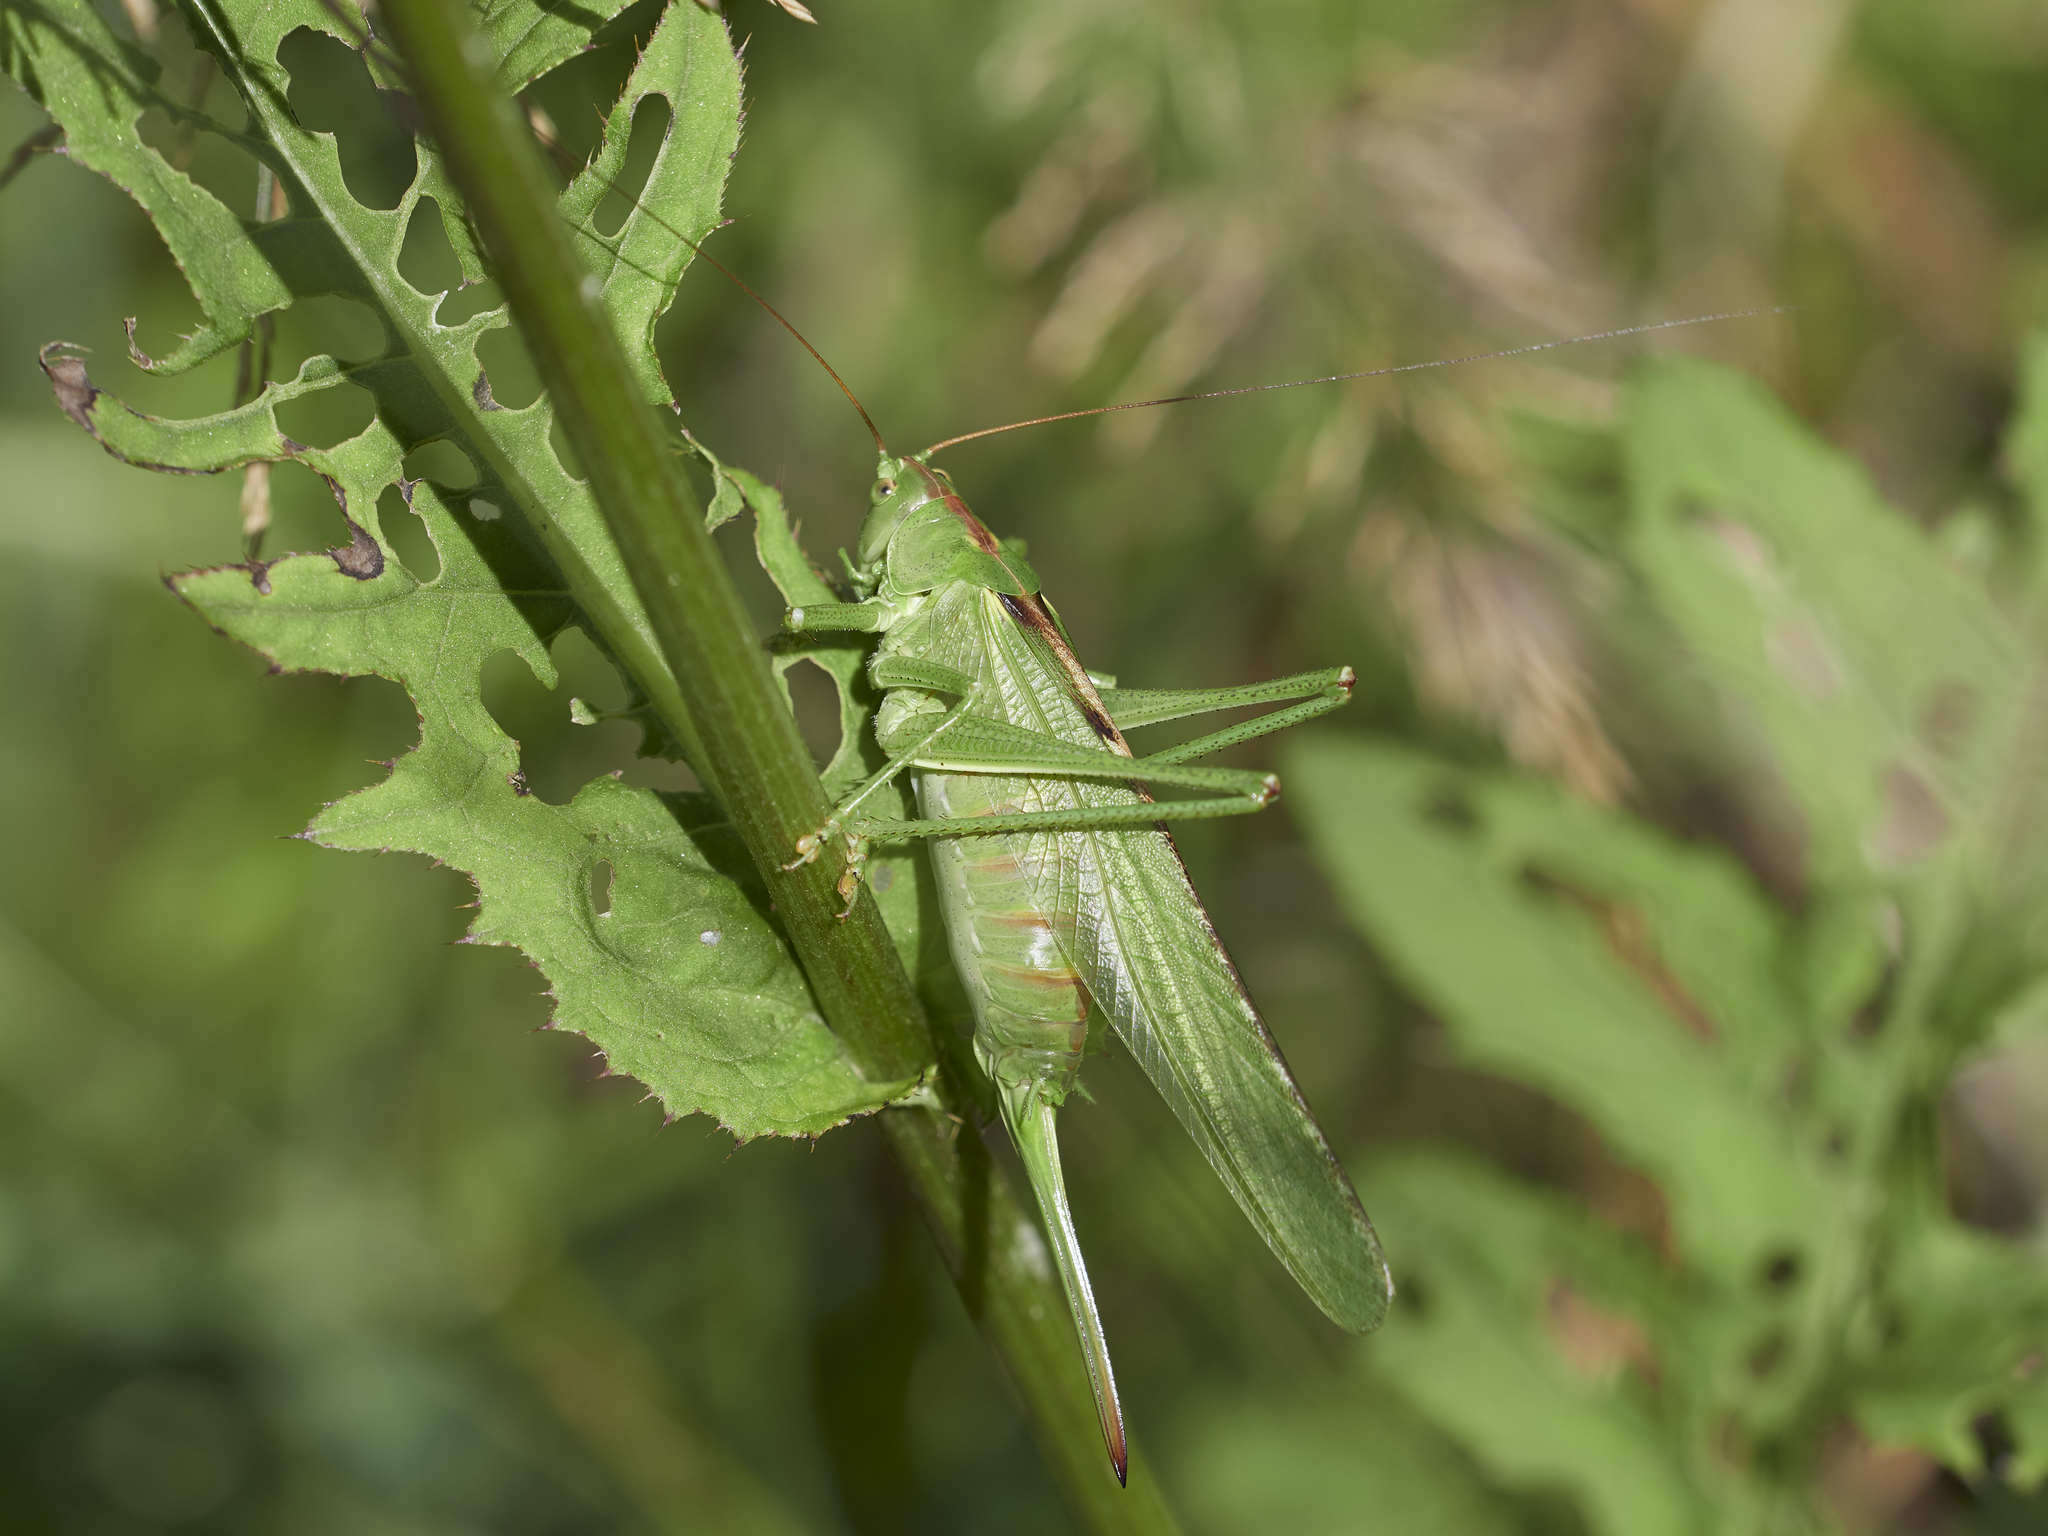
1030	1007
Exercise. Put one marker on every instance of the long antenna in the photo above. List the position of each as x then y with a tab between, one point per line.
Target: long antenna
802	340
1366	373
548	141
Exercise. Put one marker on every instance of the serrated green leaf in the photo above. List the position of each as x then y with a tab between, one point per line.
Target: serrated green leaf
689	63
1879	676
97	90
652	938
531	39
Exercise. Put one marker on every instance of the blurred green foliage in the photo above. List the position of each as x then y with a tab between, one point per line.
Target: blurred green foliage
303	1230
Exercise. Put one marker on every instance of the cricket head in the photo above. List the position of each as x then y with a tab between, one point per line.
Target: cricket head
901	487
919	534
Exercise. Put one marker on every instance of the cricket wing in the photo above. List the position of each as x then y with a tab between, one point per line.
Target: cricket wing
1150	959
1119	903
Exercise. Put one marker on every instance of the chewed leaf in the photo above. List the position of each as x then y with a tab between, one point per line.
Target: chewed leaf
98	90
654	938
532	39
689	65
1876	671
724	1027
1534	1312
1587	981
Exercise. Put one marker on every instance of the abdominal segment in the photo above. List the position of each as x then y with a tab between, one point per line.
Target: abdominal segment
1030	1007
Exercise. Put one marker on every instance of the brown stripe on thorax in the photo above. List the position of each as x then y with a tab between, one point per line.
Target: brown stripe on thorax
977	530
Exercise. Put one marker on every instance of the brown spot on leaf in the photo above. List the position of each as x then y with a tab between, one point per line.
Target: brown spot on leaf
1946	721
362	559
1629	940
1743	546
480	392
1596	1343
1913	822
141	358
64	362
1800	654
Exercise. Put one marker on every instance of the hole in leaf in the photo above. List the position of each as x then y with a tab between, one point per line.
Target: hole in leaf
1781	1271
1769	1353
1796	1086
539	721
650	128
601	888
302	511
329	416
1740	545
466	301
598	73
1595	1341
331	92
406	536
1448	807
443	463
1800	654
1912	823
1990	1120
590	678
1995	1443
1948	718
557	756
514	383
426	260
815	699
340	327
588	674
483	509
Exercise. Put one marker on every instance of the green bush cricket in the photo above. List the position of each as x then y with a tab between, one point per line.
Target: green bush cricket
1059	884
1062	889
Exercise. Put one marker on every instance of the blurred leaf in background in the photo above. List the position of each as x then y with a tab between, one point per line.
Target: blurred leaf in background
1665	953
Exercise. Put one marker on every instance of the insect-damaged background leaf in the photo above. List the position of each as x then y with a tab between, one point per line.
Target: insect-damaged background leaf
660	957
1768	1073
307	1181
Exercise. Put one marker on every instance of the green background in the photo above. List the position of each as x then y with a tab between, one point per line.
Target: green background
304	1228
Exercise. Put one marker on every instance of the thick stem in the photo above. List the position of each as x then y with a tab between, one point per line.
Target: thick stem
712	685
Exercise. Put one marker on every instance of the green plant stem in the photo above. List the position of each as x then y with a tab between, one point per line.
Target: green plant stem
712	685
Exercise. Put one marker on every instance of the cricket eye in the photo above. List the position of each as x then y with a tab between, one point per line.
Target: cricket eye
886	487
